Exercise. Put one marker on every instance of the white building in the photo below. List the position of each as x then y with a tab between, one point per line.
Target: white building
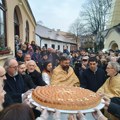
112	34
54	39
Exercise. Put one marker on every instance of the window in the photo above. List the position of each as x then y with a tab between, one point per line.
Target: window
16	23
53	46
58	47
2	26
45	46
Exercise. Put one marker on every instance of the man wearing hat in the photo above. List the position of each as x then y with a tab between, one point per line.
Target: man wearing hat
84	65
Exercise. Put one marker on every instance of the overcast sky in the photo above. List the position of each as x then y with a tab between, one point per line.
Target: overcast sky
57	14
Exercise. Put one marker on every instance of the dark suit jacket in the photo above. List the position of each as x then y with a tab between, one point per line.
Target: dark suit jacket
29	84
8	100
114	107
37	78
92	81
19	58
14	89
14	86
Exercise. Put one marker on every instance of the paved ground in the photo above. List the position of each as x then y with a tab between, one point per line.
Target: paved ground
65	117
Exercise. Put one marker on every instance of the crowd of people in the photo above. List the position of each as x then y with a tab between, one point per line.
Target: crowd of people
33	66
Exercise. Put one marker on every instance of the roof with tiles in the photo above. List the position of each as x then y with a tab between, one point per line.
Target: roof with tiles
53	34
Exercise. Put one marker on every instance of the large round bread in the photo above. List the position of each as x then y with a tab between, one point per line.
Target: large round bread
65	98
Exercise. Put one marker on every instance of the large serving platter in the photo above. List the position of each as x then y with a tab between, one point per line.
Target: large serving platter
100	106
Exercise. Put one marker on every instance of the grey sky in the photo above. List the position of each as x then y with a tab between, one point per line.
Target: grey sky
57	14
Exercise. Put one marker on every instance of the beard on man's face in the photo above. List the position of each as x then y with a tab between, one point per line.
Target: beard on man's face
23	73
15	73
65	68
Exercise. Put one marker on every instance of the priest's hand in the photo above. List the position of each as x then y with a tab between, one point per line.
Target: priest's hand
98	115
80	116
106	102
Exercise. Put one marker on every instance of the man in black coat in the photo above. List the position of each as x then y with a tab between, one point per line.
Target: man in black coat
14	84
93	77
36	76
28	82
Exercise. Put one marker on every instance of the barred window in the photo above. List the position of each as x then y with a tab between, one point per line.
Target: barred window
2	26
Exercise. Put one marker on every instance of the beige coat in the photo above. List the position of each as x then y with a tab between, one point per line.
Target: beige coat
111	87
62	78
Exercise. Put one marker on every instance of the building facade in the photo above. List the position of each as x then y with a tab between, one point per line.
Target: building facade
112	36
54	39
16	18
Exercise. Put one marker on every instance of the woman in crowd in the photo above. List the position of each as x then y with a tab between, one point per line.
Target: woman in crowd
47	72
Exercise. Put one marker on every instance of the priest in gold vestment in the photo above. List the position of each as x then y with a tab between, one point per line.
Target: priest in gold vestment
111	88
63	74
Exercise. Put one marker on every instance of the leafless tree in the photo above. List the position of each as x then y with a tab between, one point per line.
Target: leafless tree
77	29
96	14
